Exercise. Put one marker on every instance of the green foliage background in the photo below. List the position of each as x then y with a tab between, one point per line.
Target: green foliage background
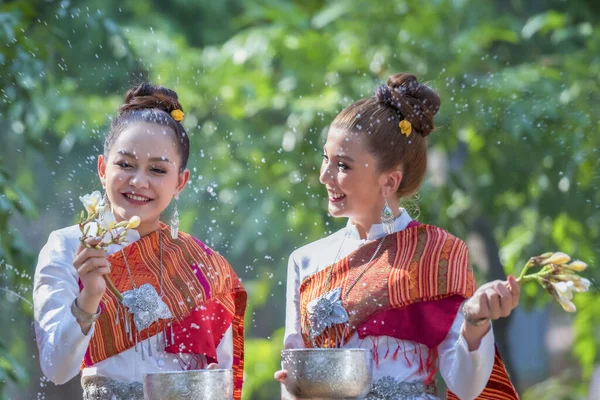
514	161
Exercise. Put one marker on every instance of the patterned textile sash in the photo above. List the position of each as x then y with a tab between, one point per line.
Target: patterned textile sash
201	289
412	291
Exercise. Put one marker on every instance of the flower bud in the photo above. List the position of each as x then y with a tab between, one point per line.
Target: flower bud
557	258
134	222
576	266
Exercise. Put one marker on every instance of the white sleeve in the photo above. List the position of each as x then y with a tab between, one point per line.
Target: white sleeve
292	337
465	372
225	350
61	343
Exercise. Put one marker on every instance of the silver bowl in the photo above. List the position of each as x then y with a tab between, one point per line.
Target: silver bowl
328	373
206	384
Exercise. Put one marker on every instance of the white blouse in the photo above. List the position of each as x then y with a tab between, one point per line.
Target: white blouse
465	372
61	343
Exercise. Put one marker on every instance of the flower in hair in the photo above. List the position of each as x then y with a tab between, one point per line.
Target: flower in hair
405	127
177	115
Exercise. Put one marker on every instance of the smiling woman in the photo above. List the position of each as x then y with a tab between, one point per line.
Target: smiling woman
138	174
386	283
79	324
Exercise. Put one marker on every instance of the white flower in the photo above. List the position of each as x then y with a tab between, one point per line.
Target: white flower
108	221
563	292
91	201
582	284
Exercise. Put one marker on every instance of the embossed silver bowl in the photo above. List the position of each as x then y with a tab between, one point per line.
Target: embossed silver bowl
328	373
206	384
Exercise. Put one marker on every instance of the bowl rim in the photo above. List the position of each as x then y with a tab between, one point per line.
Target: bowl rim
333	350
195	371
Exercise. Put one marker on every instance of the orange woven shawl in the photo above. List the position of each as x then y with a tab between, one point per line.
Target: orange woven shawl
201	289
415	285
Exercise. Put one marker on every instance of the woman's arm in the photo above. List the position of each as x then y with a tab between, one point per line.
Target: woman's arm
292	337
60	340
466	371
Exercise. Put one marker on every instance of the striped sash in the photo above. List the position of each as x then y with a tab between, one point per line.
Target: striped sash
418	270
201	289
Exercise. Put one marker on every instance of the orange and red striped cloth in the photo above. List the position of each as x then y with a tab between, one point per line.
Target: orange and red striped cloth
416	284
201	289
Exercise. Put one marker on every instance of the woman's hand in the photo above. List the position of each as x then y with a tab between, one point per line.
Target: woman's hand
91	264
491	301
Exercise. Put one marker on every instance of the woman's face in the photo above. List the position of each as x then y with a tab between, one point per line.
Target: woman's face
141	173
355	186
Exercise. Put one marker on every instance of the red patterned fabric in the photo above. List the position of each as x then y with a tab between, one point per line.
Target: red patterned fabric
201	289
415	286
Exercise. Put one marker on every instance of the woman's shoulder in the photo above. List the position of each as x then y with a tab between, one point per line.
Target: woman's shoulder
437	233
59	250
320	246
65	238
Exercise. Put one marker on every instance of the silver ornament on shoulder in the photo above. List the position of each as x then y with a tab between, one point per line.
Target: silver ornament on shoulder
325	311
146	306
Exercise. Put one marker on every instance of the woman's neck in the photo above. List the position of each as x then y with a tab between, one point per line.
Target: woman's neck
364	225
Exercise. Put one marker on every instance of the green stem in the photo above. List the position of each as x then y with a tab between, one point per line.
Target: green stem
525	268
527	278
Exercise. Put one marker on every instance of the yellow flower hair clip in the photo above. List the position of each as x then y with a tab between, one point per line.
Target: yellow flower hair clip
177	115
405	127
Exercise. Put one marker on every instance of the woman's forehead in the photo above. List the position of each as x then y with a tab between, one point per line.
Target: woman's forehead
344	141
145	140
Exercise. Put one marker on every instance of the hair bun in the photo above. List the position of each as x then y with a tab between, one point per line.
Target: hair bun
416	102
146	95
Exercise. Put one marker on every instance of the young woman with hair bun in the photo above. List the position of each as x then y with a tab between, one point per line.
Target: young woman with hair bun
192	298
385	282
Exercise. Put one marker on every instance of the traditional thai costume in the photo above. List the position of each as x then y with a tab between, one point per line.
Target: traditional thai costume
403	304
204	295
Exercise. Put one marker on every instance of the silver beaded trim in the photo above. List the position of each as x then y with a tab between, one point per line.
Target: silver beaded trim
102	388
389	388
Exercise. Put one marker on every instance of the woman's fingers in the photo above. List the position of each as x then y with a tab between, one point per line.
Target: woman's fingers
280	375
92	264
515	290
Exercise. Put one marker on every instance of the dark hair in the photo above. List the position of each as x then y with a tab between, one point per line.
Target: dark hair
150	104
377	119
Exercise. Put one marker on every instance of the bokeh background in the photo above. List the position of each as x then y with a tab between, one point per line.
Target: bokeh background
514	163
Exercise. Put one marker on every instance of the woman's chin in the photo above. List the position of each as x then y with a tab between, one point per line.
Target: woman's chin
336	211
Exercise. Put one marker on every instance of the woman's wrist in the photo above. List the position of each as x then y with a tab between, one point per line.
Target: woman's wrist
474	334
474	329
88	303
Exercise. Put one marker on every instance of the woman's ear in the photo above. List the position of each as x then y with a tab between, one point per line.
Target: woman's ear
102	169
391	182
184	177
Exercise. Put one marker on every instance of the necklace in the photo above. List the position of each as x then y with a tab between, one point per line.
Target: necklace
328	310
337	257
144	302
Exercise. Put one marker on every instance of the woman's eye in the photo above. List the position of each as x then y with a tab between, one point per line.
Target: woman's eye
123	164
343	166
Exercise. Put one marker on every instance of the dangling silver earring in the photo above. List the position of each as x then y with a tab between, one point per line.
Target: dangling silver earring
175	221
387	219
105	206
